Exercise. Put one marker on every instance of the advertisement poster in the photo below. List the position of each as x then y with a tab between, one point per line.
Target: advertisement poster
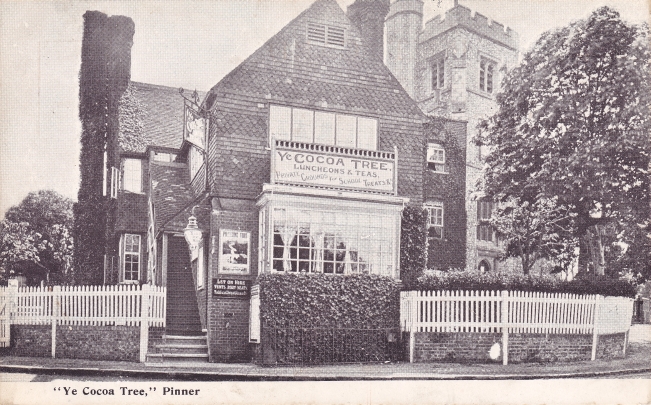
234	252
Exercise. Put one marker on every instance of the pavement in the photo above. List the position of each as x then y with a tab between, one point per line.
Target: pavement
637	360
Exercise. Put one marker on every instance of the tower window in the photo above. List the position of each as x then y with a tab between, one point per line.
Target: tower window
486	74
438	73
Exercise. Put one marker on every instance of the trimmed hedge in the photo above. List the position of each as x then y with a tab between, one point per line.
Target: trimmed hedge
358	301
474	280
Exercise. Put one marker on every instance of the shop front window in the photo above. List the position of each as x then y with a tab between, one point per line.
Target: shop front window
333	242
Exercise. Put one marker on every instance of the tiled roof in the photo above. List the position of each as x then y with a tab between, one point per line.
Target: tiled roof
162	114
288	68
171	193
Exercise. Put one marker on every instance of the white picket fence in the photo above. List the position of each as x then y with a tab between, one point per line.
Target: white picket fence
514	312
130	305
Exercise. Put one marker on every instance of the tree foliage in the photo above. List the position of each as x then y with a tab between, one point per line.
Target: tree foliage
573	124
35	238
533	231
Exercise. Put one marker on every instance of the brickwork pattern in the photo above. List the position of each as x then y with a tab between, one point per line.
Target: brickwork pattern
448	188
611	346
454	347
93	342
30	340
548	348
228	318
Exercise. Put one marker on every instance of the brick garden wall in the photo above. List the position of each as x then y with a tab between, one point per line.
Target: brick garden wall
454	346
91	342
473	347
30	340
611	346
548	348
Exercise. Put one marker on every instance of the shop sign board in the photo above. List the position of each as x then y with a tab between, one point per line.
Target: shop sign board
333	171
227	287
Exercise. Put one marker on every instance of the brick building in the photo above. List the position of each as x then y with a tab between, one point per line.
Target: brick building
301	159
452	66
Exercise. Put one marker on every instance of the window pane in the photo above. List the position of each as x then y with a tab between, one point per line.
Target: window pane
346	129
324	128
302	122
367	133
280	121
133	175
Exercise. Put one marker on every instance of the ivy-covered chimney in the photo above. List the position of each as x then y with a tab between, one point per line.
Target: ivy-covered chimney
368	16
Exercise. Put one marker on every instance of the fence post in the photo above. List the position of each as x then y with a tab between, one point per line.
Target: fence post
56	314
144	321
595	325
505	327
413	304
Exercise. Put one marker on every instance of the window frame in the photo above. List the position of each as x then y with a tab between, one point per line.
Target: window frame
123	258
201	267
128	178
487	73
431	207
437	73
276	122
485	232
115	181
437	165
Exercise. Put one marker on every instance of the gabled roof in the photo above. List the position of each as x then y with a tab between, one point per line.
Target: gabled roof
158	116
170	193
288	68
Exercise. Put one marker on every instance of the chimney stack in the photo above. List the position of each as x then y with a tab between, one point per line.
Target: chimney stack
368	16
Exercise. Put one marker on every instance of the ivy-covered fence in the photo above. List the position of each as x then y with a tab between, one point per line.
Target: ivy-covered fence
325	318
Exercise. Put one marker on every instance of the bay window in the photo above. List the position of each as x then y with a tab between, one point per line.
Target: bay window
332	241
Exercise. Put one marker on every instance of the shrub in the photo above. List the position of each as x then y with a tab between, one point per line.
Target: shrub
413	244
474	280
329	301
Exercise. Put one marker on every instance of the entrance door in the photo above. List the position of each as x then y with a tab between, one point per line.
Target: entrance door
182	308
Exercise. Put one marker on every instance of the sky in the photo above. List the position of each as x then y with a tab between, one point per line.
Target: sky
178	43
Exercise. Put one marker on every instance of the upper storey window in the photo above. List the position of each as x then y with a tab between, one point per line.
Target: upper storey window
302	125
486	75
326	35
436	157
196	160
132	179
437	67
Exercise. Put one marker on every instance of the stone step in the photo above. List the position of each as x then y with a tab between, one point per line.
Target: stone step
181	348
177	357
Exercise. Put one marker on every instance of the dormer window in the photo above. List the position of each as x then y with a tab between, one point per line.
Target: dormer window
326	35
436	157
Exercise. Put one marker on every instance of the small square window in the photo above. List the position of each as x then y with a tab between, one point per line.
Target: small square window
434	220
436	157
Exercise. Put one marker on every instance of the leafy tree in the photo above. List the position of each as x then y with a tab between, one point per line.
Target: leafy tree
534	231
573	124
35	238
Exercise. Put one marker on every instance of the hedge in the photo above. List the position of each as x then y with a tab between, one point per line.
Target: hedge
360	301
474	280
413	244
